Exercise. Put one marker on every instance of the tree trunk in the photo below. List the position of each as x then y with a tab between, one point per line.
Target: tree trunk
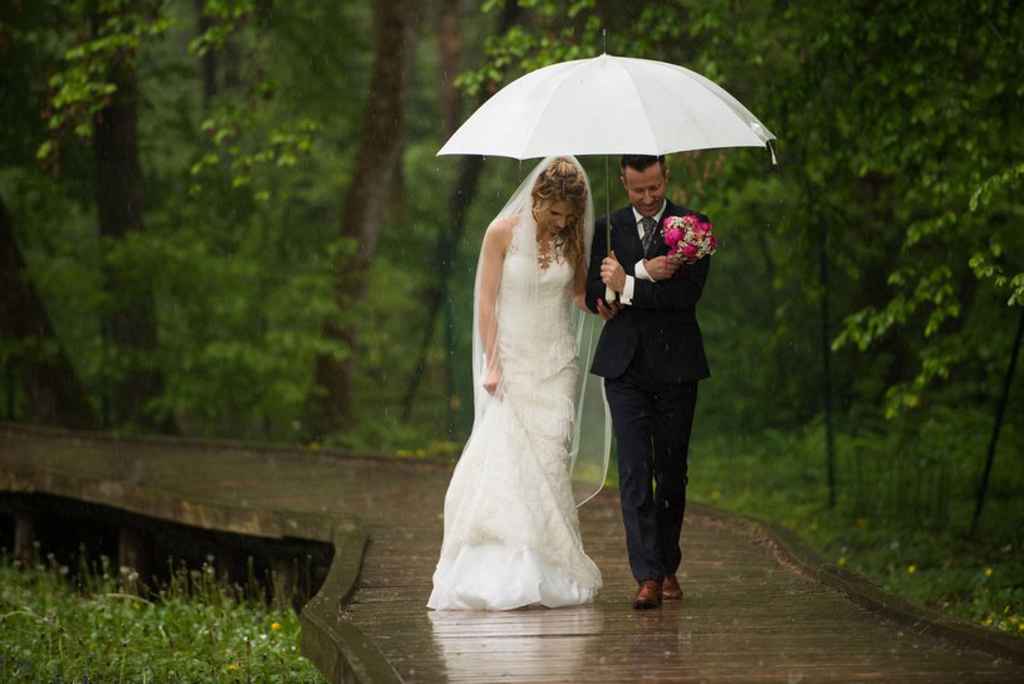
53	391
1004	399
366	203
447	246
130	322
449	38
449	43
208	62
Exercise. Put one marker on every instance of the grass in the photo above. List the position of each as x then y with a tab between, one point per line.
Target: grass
95	628
901	518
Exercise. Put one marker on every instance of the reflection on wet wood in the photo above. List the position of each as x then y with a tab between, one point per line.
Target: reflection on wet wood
745	615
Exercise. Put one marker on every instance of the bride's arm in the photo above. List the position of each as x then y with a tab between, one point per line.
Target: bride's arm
496	241
579	287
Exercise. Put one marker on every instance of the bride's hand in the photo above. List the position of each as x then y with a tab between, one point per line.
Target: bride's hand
492	380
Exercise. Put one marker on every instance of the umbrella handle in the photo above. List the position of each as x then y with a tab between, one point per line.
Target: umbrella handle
610	295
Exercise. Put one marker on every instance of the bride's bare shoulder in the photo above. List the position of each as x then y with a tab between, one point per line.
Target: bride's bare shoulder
500	232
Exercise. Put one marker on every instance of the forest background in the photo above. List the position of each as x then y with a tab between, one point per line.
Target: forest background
225	218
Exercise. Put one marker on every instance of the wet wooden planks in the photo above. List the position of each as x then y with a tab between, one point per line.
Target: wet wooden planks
747	616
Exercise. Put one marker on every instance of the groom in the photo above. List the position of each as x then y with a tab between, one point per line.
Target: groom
651	356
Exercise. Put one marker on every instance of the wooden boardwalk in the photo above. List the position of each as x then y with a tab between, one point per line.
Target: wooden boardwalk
748	615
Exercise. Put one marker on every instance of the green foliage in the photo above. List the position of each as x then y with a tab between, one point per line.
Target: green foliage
991	264
199	629
939	101
83	86
896	131
240	240
521	50
228	17
896	134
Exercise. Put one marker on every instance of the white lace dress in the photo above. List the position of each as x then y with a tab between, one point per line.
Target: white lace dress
511	531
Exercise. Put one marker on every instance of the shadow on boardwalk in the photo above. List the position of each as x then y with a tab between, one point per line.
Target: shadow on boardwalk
749	614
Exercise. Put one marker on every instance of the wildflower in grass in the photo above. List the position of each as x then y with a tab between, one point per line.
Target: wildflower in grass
275	626
911	569
988	572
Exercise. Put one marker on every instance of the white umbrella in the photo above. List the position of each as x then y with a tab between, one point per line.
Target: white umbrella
607	105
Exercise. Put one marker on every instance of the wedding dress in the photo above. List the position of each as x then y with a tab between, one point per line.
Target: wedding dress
511	528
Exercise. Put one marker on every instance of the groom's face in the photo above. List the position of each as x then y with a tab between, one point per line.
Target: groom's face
646	189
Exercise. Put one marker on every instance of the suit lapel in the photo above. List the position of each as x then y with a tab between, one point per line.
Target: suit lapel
629	248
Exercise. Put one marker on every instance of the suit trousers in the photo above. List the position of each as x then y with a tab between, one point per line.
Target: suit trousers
652	420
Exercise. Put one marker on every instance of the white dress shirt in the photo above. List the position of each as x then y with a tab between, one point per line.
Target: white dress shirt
626	297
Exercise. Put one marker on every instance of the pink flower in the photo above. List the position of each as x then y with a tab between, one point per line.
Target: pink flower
672	236
689	236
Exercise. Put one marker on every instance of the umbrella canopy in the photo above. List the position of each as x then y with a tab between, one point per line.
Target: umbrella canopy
607	105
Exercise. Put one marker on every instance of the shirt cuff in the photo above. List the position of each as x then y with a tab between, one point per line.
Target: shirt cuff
626	298
641	271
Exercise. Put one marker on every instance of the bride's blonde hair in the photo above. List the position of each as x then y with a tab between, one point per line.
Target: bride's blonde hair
563	180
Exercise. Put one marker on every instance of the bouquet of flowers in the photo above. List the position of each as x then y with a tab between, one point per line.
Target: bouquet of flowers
689	236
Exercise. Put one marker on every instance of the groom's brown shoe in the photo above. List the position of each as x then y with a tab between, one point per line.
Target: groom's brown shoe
670	589
648	595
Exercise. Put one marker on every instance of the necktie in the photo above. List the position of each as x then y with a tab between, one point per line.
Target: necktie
649	224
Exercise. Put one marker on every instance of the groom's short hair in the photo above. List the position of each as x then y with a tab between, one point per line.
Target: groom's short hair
640	162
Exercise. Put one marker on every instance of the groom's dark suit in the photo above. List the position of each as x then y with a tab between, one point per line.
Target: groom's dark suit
651	356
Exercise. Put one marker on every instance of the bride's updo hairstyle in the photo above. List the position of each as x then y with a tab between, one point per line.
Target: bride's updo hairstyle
563	180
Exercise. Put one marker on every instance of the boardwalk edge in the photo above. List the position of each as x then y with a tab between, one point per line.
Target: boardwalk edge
867	594
337	648
282	448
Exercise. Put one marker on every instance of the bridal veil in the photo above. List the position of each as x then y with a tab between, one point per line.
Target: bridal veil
589	440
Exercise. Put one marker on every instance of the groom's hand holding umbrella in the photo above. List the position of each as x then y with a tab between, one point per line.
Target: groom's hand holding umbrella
614	279
612	274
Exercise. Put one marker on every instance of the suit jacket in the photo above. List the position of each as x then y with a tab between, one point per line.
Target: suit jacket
662	320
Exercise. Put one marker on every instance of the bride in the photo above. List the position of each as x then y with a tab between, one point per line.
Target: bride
540	438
